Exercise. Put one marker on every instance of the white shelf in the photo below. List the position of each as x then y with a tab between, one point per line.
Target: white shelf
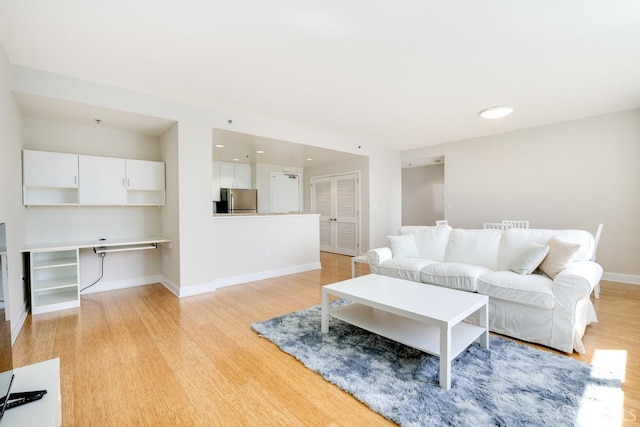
54	280
407	331
52	263
55	283
54	301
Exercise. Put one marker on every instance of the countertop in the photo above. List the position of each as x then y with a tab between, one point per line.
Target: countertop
235	215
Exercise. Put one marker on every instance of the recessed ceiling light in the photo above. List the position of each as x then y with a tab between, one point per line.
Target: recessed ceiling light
496	112
259	152
236	160
309	159
219	146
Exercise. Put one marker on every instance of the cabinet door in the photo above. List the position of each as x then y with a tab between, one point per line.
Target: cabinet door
215	182
49	170
102	181
227	175
243	176
145	175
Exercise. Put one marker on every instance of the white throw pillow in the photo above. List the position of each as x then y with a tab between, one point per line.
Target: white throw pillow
560	254
403	246
530	258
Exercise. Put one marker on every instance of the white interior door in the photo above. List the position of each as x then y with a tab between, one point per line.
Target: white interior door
336	198
285	192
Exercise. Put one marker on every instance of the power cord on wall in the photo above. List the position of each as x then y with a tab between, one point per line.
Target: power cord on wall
102	255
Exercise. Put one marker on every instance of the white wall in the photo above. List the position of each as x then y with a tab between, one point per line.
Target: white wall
262	177
417	194
11	209
569	175
191	160
170	213
59	224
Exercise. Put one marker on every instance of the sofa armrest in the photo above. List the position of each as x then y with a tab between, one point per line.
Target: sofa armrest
376	256
576	281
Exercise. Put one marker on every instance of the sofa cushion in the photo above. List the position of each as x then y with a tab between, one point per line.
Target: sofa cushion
403	268
477	247
515	240
453	275
431	241
534	290
403	246
529	259
560	254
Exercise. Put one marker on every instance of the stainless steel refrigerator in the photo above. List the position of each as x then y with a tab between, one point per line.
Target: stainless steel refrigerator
239	200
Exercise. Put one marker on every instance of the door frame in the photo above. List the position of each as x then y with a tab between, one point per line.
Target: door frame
358	201
300	193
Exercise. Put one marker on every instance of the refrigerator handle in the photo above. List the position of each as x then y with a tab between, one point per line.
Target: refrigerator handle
231	207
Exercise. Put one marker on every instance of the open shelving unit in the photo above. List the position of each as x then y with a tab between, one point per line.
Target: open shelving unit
54	280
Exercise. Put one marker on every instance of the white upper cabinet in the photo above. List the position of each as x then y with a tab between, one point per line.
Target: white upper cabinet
58	179
44	169
49	178
145	175
243	176
215	182
227	175
145	182
234	175
102	181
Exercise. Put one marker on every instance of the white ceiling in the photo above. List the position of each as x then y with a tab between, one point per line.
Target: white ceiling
401	74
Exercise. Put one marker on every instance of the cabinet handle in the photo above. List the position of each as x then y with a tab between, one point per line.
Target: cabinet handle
123	182
128	182
75	180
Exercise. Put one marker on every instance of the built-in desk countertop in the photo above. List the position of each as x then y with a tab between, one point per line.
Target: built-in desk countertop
108	245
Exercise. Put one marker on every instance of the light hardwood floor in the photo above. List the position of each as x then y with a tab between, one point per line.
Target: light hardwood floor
142	357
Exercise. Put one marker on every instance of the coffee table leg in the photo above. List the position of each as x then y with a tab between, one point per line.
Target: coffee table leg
484	322
445	357
325	312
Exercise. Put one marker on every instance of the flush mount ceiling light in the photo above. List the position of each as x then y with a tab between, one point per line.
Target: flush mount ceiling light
496	112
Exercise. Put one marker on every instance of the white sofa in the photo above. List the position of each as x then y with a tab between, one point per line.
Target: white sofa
533	307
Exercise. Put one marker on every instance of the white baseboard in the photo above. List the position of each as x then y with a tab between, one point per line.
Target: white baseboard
245	278
15	329
171	287
122	284
624	278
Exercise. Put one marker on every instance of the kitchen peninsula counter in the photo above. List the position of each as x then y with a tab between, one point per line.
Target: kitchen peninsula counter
260	214
251	247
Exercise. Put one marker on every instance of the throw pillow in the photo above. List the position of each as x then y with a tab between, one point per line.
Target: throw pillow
560	254
530	258
403	246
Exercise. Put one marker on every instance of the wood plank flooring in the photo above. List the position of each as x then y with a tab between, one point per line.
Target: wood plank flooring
143	357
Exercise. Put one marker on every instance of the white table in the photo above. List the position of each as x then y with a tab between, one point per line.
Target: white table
44	412
426	317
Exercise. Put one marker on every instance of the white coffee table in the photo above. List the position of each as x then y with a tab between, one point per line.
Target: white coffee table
426	317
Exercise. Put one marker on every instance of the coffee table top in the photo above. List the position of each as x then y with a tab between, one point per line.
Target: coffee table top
408	298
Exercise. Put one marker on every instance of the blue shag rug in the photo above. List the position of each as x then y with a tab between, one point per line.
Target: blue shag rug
509	384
